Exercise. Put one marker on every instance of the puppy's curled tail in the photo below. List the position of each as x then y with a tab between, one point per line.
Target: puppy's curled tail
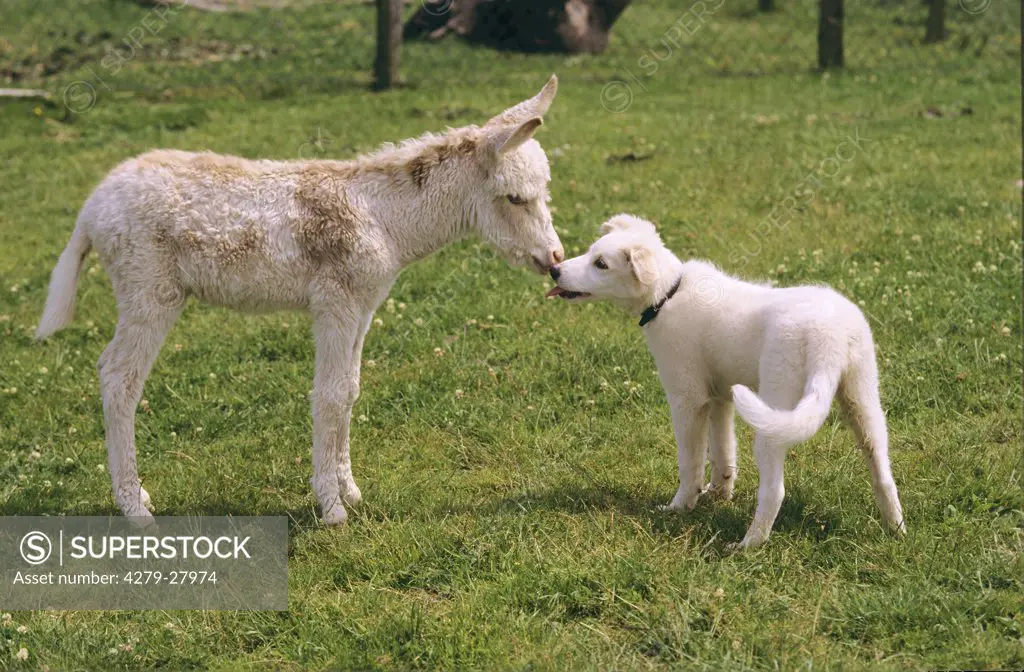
789	427
60	301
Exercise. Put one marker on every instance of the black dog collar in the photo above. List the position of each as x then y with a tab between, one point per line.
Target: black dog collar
652	311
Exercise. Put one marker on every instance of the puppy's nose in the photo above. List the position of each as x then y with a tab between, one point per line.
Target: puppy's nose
555	272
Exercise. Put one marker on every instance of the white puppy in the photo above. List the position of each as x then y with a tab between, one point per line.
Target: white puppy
715	337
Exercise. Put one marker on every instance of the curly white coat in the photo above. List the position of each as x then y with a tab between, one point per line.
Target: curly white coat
327	236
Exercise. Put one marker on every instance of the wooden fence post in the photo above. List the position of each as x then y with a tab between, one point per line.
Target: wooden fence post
830	34
389	43
936	30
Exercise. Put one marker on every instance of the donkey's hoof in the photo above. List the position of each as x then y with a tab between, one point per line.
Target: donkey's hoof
336	516
142	519
147	503
352	495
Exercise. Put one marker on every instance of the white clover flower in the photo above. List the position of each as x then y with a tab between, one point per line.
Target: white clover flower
22	654
22	629
377	322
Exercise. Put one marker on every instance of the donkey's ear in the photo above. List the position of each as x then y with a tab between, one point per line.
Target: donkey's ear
534	107
512	137
624	222
641	262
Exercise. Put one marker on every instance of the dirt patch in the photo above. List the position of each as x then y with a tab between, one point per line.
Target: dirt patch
104	52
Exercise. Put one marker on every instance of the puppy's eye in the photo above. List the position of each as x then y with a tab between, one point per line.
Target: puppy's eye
601	263
516	200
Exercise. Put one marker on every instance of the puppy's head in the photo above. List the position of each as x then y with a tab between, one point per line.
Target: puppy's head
622	266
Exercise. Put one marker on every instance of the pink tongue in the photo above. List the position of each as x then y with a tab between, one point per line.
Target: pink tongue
555	291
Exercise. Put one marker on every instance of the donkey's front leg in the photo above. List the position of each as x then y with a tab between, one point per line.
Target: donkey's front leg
350	492
335	389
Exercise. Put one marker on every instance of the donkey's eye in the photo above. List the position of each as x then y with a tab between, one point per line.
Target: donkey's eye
601	263
516	200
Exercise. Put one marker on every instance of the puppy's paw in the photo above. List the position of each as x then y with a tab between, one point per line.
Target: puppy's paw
718	493
749	542
682	502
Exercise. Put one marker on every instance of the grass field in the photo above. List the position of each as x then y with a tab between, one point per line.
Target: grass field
511	450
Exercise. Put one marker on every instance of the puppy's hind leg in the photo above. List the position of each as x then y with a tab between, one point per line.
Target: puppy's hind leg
859	399
779	389
771	490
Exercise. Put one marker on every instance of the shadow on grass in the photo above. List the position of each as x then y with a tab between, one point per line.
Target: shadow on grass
728	521
26	503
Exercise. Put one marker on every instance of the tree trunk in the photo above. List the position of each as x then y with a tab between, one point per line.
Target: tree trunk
766	5
389	43
520	25
830	34
936	30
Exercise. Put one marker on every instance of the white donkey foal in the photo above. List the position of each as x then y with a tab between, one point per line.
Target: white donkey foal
330	237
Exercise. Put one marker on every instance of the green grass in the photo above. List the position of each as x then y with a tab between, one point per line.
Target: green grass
512	450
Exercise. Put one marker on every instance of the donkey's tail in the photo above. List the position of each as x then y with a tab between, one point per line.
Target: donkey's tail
60	302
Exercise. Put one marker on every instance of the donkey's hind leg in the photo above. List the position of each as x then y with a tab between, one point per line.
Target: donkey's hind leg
123	368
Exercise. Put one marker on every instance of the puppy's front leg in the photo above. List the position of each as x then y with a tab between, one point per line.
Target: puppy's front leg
690	422
723	450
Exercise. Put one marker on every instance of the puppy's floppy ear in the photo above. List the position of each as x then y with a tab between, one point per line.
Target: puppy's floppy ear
641	262
624	222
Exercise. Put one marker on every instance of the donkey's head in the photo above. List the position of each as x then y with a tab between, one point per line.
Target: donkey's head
510	207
